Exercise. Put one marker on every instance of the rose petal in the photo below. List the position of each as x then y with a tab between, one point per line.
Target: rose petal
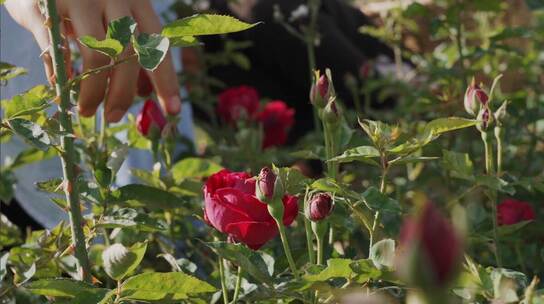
253	234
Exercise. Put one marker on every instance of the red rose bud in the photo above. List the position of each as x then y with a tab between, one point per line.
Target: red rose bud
276	118
430	250
319	207
474	97
485	117
321	90
238	103
511	211
150	119
265	184
231	207
144	86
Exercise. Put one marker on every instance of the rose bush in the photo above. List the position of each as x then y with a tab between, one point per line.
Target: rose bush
364	175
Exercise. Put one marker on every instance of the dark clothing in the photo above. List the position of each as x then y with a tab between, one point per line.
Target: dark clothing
279	61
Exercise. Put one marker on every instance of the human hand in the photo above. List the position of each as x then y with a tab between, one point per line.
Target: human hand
90	17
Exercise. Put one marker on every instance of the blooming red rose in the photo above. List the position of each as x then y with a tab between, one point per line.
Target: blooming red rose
144	85
277	118
150	117
237	103
511	211
231	207
431	249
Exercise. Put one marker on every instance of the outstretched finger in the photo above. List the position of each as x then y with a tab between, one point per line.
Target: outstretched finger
164	77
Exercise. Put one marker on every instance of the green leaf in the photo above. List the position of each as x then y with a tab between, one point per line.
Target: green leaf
184	41
495	183
145	196
119	261
30	102
363	154
127	217
251	261
443	125
7	184
121	30
459	164
326	185
204	24
293	181
431	131
117	157
108	46
151	49
52	186
171	286
31	132
383	253
60	287
377	201
506	230
336	268
8	71
195	168
411	159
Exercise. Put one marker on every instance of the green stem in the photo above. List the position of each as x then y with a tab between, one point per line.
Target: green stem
67	143
385	169
320	248
493	199
521	261
286	248
223	281
488	153
499	137
309	240
237	287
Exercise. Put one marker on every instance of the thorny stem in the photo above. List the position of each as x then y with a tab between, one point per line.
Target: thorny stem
67	143
223	281
237	287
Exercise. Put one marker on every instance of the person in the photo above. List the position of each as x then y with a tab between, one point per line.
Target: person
279	59
82	17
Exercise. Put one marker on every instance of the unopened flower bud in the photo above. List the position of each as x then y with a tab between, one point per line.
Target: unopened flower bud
475	97
269	187
319	207
485	117
431	250
322	89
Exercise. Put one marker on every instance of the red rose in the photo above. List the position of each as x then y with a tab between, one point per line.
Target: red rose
238	103
150	117
431	250
231	207
144	86
511	211
277	119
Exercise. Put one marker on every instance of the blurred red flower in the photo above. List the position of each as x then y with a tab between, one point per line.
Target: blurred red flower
277	118
238	103
511	211
231	207
144	85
